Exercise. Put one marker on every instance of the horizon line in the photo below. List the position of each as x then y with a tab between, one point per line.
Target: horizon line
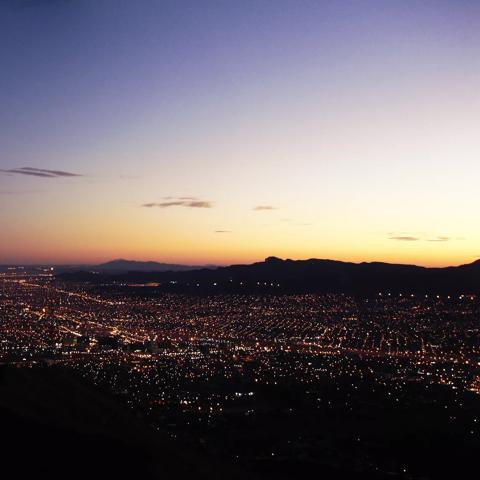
221	265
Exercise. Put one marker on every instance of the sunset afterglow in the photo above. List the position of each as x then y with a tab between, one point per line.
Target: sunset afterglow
225	132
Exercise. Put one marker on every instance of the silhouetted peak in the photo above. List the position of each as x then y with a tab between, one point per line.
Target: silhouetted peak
273	260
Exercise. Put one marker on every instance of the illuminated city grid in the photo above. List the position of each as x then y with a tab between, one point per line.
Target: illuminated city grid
187	362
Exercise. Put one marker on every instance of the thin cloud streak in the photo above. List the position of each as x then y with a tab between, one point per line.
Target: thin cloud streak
39	172
405	239
264	208
422	238
189	202
439	239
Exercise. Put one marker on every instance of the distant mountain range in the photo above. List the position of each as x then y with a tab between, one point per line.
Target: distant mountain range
291	276
121	265
114	267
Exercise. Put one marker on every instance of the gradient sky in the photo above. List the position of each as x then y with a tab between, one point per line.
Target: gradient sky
227	131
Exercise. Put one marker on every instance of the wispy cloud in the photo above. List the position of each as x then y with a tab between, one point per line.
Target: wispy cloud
264	208
40	172
223	231
405	238
189	202
421	237
439	239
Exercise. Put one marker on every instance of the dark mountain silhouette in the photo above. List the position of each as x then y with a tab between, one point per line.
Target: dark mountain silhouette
299	276
121	265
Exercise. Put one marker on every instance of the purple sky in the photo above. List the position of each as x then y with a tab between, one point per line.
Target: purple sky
355	121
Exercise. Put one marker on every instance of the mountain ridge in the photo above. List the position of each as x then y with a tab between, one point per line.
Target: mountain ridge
121	264
301	276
